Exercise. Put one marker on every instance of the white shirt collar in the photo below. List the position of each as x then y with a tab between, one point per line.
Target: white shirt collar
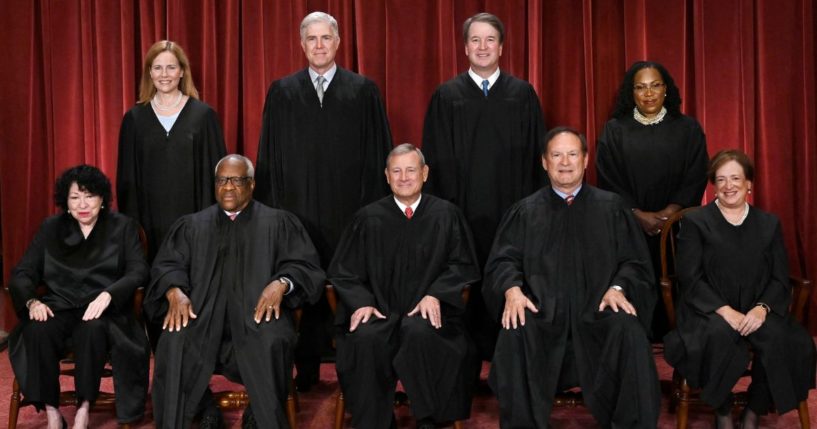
478	79
563	195
413	206
229	213
313	75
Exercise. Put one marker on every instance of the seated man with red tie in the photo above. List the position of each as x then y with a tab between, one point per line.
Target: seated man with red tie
399	271
569	278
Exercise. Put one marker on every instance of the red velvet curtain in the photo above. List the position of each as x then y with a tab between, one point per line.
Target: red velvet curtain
746	70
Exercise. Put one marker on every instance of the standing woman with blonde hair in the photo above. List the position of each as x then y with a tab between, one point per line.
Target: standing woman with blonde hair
169	144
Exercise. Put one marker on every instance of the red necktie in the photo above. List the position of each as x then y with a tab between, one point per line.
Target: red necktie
409	212
569	199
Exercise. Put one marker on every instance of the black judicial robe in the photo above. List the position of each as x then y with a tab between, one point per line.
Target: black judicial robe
565	258
390	262
76	270
652	166
484	152
223	266
163	175
723	264
322	163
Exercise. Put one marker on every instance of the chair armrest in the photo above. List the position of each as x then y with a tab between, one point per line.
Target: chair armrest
666	295
332	298
466	293
800	291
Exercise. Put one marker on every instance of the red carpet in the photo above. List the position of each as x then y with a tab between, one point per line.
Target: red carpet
317	408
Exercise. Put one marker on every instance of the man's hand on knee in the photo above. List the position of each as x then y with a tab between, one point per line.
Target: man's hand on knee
269	302
515	305
179	310
429	308
362	315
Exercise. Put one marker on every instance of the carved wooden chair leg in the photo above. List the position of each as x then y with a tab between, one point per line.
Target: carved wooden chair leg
340	411
125	426
802	410
458	424
292	412
683	406
14	404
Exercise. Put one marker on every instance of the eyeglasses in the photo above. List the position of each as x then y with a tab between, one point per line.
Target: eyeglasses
235	180
655	87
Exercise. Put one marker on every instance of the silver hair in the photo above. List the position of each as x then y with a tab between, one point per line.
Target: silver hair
404	149
237	157
319	17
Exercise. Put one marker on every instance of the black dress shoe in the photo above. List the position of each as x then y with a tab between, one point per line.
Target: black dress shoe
305	381
248	419
212	419
426	424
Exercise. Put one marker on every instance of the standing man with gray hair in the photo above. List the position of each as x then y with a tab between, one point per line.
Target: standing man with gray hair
324	139
482	136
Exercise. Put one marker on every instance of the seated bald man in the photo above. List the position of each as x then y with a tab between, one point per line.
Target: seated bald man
224	286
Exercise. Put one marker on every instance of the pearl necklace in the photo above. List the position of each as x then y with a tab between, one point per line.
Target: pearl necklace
742	218
649	121
156	105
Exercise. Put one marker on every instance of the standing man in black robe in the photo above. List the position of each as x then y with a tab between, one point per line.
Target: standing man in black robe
224	285
400	270
482	137
569	277
324	139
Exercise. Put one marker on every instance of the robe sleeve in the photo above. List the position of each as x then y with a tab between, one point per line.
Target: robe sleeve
265	180
127	170
634	274
691	188
694	286
211	144
610	168
300	262
28	274
777	293
136	269
171	268
536	134
461	267
438	148
348	273
504	268
377	144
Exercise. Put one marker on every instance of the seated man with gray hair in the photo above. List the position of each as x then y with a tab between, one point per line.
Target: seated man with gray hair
224	286
400	270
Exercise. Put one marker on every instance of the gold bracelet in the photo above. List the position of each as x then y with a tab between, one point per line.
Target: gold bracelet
764	306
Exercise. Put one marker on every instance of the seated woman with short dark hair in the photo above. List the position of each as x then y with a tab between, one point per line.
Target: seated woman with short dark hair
91	262
734	293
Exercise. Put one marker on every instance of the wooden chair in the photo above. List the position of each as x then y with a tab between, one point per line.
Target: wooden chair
400	398
683	396
106	400
229	400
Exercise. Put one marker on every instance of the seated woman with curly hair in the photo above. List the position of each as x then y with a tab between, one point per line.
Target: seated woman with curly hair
90	261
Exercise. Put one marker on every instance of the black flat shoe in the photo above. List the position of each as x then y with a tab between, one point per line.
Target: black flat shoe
64	423
426	424
248	419
212	420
